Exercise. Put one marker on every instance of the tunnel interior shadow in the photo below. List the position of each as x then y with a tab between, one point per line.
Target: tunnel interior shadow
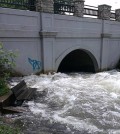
77	61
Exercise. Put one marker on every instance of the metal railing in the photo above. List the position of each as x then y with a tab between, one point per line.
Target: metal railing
61	7
90	10
18	4
112	15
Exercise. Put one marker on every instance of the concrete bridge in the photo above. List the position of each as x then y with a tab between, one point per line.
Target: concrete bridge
71	42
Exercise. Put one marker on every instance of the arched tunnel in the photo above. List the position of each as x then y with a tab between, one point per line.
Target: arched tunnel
77	61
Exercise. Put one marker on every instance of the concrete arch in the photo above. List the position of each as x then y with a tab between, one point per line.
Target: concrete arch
68	51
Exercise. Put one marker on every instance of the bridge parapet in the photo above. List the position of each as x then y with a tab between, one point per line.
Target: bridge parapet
75	8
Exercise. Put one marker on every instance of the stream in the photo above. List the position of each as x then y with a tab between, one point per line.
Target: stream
76	103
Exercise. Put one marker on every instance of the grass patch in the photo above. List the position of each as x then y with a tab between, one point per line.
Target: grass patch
4	129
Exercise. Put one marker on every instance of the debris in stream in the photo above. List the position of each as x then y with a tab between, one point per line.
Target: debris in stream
11	109
10	102
22	92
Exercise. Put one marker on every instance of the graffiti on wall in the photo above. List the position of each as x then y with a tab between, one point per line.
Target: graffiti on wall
36	65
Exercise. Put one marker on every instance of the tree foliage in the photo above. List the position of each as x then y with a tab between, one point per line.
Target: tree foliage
6	64
19	4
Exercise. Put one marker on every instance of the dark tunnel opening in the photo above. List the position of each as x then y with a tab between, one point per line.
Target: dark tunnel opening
77	61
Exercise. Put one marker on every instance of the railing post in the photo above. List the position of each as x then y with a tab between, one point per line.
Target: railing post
79	8
117	15
104	12
45	6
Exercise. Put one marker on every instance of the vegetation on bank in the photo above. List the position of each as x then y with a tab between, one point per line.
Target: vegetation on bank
3	89
4	129
6	64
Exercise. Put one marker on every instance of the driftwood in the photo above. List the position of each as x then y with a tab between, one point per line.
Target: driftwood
11	109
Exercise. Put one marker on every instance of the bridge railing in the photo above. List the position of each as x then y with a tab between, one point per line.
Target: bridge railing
69	9
64	7
90	11
112	15
61	7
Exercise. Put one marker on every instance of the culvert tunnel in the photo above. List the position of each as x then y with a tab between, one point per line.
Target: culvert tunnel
77	61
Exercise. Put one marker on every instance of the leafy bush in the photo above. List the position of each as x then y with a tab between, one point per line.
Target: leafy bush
6	64
4	129
3	88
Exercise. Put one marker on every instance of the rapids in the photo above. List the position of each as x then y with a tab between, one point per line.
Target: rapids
76	103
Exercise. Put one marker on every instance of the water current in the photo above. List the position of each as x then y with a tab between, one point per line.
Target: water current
76	103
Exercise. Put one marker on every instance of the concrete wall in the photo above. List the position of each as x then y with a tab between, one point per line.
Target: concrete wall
71	33
43	40
110	44
19	31
99	37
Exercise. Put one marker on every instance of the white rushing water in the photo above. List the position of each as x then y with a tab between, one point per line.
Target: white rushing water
84	102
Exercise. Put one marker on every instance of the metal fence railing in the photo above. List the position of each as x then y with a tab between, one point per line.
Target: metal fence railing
62	7
90	10
112	15
18	4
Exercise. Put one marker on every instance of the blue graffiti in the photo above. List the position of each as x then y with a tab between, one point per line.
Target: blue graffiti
36	65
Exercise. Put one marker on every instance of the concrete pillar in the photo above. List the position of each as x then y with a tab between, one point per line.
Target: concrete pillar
46	6
79	8
105	53
117	15
104	12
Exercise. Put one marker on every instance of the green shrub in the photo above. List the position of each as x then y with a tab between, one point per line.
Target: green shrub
6	64
3	89
4	129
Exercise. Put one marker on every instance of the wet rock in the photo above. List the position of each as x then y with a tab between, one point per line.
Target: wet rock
6	100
